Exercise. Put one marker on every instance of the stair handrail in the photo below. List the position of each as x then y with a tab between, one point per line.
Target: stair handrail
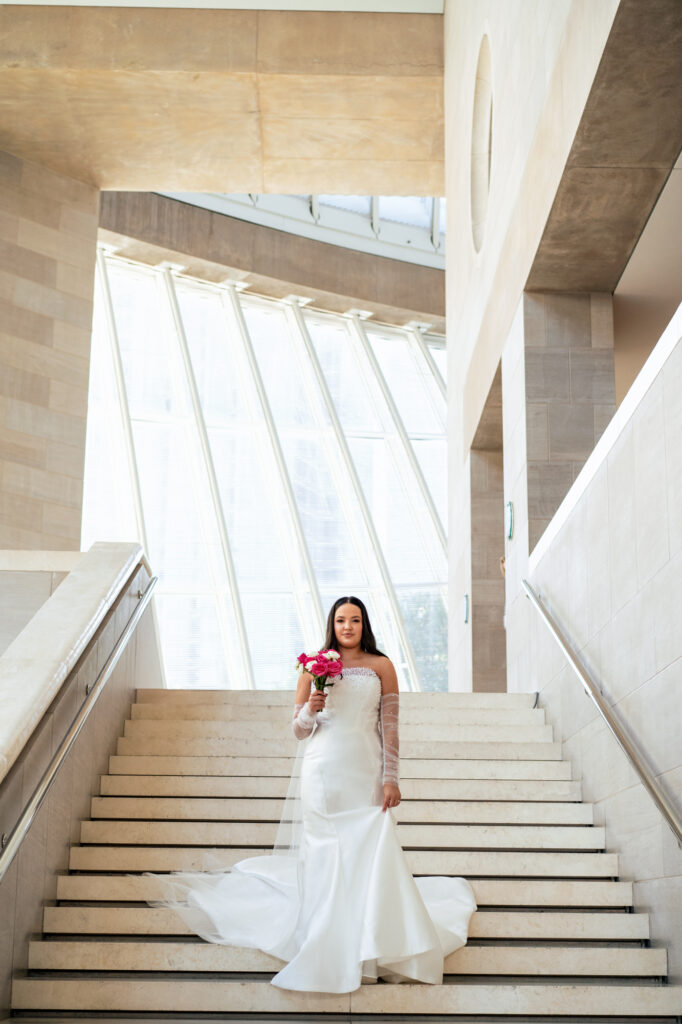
10	843
637	761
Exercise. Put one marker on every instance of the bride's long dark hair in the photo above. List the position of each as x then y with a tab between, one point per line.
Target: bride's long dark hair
367	640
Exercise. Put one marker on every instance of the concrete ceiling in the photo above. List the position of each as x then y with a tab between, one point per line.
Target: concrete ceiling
628	140
226	100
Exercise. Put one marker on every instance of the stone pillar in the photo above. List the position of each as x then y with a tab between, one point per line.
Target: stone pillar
489	653
48	237
570	392
558	389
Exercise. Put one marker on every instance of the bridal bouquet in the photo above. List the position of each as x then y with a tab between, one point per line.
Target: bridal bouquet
322	665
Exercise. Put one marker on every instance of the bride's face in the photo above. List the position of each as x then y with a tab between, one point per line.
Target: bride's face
348	626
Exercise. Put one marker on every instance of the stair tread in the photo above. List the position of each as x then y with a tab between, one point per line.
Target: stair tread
409	749
422	862
410	714
270	809
264	730
517	924
422	698
222	833
220	995
493	892
257	786
128	955
412	768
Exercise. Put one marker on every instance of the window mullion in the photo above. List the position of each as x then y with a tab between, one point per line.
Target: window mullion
430	361
266	455
435	223
400	427
357	486
124	407
231	296
218	510
123	399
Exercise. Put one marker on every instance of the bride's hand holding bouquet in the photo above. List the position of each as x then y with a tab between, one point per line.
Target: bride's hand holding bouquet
324	666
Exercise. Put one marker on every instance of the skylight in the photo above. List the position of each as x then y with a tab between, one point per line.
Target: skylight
407	228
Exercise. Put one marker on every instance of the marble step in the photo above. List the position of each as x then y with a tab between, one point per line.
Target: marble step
266	786
219	995
466	863
500	924
262	747
424	699
417	811
410	768
204	833
268	731
410	714
538	960
492	892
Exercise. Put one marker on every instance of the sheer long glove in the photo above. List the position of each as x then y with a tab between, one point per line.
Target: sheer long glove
304	721
388	717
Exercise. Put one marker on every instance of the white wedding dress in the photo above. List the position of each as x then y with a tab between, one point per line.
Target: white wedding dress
340	906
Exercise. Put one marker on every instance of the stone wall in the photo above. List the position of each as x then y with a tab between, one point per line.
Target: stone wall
609	568
48	234
31	881
544	58
569	392
23	593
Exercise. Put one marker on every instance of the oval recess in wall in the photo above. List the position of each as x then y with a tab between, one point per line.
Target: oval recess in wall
481	143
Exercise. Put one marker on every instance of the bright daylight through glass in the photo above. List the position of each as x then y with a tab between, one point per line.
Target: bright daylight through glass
270	458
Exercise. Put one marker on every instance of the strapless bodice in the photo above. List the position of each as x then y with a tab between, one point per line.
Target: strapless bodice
353	700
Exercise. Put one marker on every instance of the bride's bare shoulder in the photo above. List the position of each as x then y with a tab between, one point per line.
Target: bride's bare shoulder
385	669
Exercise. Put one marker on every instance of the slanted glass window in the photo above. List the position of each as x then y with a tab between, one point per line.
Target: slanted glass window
356	204
269	458
413	210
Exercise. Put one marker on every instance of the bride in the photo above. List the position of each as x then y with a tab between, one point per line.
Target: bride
336	899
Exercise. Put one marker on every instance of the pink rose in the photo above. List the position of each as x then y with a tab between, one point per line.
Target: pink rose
317	668
303	659
334	668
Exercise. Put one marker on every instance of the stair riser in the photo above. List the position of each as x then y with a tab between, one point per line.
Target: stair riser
505	924
416	811
258	747
465	863
256	787
266	731
282	714
425	699
488	892
415	768
517	837
219	996
489	960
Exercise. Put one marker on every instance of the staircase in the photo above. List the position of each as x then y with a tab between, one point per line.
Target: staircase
485	794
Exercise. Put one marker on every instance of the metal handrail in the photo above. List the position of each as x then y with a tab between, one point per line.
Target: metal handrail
646	776
10	846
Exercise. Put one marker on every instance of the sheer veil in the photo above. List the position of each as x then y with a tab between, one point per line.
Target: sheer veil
290	828
272	880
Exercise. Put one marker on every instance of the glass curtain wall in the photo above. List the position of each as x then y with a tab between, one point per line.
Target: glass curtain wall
270	458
